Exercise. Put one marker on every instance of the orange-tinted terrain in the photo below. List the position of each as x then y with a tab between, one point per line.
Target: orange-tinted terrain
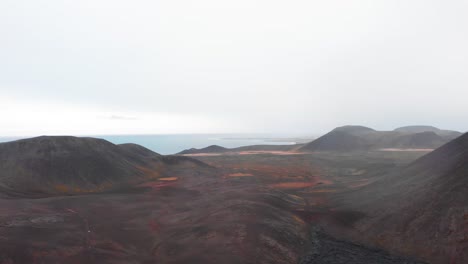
219	208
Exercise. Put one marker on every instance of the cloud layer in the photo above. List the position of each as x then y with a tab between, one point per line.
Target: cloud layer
234	66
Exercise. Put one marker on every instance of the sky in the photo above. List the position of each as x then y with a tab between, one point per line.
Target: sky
247	66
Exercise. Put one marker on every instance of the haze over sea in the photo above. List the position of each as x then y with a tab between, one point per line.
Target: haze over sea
171	144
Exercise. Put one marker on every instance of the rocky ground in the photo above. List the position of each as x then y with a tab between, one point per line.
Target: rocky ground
260	208
329	250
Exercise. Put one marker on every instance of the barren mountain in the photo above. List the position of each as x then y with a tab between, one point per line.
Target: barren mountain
423	208
419	140
337	140
209	149
240	213
219	149
67	165
355	130
421	129
358	138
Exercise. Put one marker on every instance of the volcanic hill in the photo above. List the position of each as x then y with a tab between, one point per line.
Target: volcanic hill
420	129
421	209
68	165
358	138
209	149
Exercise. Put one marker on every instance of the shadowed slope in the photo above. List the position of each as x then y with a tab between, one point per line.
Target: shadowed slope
422	209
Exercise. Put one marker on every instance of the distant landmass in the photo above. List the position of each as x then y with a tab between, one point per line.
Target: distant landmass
420	129
219	149
209	149
355	130
353	138
174	143
171	144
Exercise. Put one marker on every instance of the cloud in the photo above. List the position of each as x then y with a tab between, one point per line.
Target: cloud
302	66
121	117
31	118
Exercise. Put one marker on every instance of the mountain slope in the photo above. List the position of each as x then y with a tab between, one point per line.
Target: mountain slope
421	129
219	149
355	130
337	141
418	140
417	129
63	164
422	209
209	149
358	138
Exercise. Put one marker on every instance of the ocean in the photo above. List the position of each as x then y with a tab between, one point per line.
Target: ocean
171	144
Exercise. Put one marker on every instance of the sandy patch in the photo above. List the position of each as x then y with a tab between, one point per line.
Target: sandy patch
168	179
240	174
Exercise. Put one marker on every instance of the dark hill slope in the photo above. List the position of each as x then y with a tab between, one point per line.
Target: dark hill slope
337	141
446	134
419	129
422	209
419	140
358	138
209	149
218	149
73	165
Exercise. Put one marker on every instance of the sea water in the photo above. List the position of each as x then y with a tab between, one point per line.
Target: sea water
171	144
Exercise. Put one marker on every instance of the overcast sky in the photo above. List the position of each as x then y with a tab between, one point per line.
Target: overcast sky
210	66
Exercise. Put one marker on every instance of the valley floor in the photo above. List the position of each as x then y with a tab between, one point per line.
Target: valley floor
250	208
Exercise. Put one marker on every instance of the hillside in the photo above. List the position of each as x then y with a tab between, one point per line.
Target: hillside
56	165
417	129
219	149
419	140
209	149
421	129
337	141
423	208
355	130
358	138
238	212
